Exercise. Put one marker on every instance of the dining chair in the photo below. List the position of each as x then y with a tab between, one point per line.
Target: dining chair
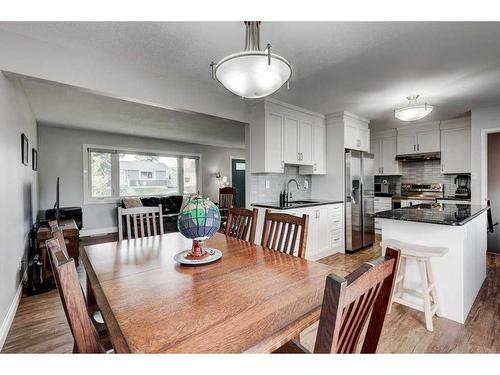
87	337
242	223
352	306
58	234
140	221
227	199
280	233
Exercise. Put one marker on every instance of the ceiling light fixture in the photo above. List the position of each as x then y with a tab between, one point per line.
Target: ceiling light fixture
413	111
252	73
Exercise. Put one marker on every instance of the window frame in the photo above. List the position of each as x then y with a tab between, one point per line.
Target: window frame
115	170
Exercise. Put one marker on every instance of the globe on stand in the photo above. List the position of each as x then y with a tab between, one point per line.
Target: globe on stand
199	220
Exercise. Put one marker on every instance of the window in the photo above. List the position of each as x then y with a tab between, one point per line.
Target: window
118	173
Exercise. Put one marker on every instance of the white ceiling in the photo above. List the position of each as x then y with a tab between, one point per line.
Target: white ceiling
65	106
365	68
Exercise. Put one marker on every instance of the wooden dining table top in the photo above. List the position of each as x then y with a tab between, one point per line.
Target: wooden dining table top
251	300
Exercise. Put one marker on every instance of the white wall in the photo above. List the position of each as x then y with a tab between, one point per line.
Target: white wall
61	154
483	120
18	191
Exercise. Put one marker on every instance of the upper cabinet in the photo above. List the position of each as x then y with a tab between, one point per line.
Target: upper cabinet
356	133
417	139
383	146
284	134
455	146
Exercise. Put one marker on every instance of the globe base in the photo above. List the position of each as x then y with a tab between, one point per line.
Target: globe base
197	251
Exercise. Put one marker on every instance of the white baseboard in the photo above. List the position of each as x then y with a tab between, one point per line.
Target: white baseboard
9	318
94	232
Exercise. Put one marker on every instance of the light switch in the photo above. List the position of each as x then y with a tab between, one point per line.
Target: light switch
268	184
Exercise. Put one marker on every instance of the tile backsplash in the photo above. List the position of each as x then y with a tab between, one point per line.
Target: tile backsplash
277	181
420	172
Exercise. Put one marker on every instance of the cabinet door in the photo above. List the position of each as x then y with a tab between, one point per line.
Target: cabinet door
351	137
406	143
274	143
318	151
364	139
375	150
455	152
290	134
305	143
388	152
428	141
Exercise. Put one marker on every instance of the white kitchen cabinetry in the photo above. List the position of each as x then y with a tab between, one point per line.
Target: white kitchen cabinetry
325	232
383	146
417	139
283	134
455	146
356	134
318	144
381	204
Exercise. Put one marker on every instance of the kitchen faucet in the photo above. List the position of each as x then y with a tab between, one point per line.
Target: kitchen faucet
288	193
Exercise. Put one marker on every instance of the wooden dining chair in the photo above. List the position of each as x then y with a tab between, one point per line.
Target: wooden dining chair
352	306
281	231
140	222
227	197
58	234
242	223
85	334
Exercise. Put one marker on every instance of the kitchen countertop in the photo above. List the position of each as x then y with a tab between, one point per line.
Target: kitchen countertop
444	213
452	198
292	205
385	195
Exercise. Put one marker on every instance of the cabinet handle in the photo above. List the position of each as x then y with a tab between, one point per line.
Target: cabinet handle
418	147
414	148
315	166
382	170
442	167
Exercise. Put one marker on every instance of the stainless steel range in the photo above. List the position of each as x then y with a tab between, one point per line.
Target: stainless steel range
421	193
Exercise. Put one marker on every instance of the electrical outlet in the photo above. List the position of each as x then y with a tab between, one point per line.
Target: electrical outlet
306	185
268	184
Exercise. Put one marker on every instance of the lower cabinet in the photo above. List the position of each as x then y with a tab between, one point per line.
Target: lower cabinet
325	232
381	204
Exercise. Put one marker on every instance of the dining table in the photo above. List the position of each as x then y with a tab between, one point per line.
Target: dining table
252	300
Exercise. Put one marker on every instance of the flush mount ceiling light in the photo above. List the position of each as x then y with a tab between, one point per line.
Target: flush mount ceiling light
413	111
252	73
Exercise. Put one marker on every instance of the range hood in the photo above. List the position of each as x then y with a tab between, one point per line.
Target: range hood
419	157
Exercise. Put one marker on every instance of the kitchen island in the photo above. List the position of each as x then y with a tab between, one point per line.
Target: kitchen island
459	273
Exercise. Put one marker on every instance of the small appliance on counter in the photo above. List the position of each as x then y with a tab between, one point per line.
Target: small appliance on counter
463	189
385	188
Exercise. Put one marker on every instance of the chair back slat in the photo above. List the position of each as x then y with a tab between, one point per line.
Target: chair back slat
279	228
354	308
138	222
242	223
83	330
58	234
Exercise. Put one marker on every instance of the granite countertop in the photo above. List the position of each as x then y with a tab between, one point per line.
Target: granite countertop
453	198
386	195
299	203
444	213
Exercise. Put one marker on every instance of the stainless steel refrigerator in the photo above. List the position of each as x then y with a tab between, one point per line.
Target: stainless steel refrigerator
359	192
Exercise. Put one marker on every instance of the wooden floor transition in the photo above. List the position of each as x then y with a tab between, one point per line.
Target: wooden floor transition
40	325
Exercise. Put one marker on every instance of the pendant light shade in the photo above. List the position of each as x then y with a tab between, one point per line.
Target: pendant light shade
413	111
252	73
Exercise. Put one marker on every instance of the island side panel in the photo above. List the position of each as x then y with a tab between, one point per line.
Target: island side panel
448	269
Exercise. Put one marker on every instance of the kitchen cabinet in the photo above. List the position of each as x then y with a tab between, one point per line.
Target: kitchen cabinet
383	146
325	231
455	146
381	204
356	135
418	139
318	145
283	134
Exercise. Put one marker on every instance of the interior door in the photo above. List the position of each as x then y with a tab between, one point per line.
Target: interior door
353	220
238	180
290	141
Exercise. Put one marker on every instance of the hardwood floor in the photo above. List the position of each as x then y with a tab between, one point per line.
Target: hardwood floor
40	325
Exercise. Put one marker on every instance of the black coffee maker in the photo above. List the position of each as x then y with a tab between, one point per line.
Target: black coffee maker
463	188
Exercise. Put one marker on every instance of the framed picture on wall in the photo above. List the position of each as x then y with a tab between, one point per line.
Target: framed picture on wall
34	159
24	149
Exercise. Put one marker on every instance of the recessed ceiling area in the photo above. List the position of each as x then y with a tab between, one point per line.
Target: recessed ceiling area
368	68
65	106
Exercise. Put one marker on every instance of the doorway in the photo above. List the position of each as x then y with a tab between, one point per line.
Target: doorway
238	167
493	189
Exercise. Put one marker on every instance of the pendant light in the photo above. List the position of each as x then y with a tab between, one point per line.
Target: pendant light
252	73
413	111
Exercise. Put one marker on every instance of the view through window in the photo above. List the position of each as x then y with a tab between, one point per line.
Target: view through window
140	174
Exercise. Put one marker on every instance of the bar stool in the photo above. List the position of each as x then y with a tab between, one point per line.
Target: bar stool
420	254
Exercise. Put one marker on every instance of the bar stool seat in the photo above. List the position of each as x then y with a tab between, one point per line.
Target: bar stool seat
421	254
